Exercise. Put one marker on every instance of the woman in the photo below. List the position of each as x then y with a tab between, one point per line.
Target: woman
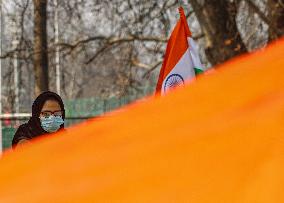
48	116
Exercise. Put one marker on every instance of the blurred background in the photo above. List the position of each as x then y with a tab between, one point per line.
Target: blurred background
100	55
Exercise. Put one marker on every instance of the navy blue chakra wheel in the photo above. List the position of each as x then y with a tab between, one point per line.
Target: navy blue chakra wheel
173	81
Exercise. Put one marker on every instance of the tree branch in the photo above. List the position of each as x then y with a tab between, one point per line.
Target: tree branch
263	17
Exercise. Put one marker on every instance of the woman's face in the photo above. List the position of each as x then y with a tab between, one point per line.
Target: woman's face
51	116
51	107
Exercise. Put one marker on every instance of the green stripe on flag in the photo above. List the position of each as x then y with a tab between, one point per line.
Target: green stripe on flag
198	71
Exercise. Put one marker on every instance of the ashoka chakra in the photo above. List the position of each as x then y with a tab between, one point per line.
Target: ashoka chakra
173	81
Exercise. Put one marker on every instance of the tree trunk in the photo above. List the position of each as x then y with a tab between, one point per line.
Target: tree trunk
218	21
40	46
276	17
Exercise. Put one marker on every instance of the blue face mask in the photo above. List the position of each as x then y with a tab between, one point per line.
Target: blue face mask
52	123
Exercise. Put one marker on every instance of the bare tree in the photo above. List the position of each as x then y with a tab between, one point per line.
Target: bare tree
276	18
218	21
40	46
115	48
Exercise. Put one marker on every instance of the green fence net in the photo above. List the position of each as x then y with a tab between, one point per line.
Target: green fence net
77	111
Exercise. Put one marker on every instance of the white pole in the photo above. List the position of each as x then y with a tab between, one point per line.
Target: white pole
15	43
56	36
1	30
14	115
16	79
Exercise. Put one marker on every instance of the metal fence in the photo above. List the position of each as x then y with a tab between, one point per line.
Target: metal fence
9	127
76	111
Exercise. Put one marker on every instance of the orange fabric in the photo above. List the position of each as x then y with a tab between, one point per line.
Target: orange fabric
218	140
176	47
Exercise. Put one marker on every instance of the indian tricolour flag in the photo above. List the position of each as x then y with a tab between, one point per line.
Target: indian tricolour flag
181	62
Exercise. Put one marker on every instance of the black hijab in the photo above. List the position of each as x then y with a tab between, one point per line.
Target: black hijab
33	128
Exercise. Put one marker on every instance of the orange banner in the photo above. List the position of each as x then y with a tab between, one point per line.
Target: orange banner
220	139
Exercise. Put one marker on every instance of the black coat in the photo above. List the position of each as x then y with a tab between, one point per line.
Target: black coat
32	128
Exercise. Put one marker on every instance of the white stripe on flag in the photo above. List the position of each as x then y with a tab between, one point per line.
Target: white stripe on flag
182	72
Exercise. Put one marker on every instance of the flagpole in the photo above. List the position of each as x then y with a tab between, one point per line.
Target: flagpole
180	3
